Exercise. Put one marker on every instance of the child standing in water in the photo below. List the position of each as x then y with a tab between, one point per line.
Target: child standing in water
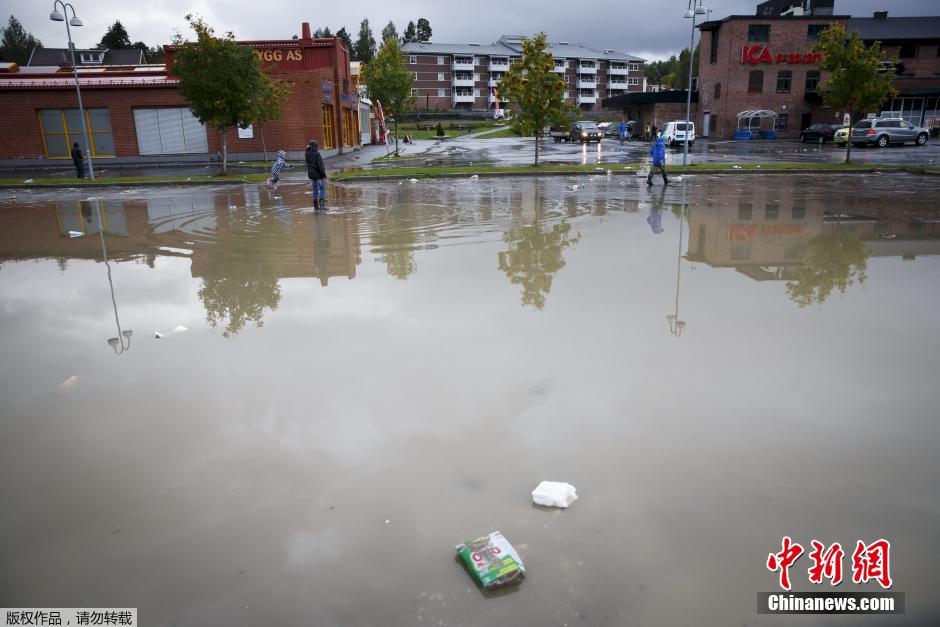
276	168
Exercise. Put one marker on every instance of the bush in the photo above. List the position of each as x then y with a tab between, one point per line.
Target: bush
440	130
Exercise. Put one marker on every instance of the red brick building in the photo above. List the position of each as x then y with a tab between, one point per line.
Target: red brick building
136	113
462	76
766	62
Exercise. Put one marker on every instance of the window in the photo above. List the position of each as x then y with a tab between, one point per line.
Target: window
328	127
780	123
717	91
745	210
812	81
783	81
476	77
440	76
91	57
634	67
633	80
168	131
908	51
476	93
440	60
476	60
813	31
63	127
758	33
414	92
441	93
772	210
412	60
414	76
713	50
755	82
349	128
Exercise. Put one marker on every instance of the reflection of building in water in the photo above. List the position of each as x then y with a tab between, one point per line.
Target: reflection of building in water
765	236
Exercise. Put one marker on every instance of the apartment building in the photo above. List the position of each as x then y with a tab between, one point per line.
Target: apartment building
463	76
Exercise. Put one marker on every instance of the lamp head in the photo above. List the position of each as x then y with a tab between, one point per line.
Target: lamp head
75	21
113	342
56	16
700	10
688	14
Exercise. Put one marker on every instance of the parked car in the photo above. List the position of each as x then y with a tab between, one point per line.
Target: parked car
841	136
818	133
585	132
607	128
883	131
673	133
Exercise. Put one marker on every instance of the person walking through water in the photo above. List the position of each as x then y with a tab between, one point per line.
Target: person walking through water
658	152
316	172
78	159
623	131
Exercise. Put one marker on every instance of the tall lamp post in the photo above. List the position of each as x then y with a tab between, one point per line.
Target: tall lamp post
60	16
695	8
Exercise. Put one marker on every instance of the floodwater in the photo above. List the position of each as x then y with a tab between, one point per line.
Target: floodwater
337	399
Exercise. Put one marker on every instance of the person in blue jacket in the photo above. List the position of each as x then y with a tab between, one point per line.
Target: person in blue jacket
658	152
623	131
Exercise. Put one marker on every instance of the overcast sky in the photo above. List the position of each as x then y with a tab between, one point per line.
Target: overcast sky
650	29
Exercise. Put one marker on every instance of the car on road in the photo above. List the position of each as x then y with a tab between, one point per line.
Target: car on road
819	133
585	132
673	133
841	136
607	128
884	131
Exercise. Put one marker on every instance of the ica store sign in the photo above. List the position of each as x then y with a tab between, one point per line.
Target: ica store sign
761	54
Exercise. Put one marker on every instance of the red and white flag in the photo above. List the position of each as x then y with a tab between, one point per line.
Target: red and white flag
381	115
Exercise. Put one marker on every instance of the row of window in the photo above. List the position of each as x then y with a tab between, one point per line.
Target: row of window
476	93
497	76
559	63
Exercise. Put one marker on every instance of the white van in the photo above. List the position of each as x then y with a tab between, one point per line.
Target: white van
673	133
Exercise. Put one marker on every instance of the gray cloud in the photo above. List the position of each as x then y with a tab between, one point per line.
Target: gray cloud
648	28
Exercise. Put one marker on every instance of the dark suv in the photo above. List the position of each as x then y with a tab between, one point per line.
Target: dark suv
883	131
818	133
586	132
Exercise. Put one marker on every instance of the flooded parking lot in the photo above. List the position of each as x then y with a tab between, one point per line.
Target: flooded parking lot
337	399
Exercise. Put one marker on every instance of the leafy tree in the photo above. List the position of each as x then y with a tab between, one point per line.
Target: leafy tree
535	254
222	81
365	45
424	30
323	33
17	43
674	71
536	90
388	81
832	261
116	38
411	34
856	82
389	31
347	42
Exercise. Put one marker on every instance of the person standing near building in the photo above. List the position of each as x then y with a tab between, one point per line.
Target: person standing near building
79	160
658	152
623	131
646	132
316	172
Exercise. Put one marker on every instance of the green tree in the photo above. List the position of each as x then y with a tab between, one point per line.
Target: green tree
536	90
116	38
365	45
389	31
411	34
222	81
535	254
423	30
347	41
17	43
856	81
388	81
323	33
832	261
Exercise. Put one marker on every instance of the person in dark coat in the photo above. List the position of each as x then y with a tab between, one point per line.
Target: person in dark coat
316	172
79	160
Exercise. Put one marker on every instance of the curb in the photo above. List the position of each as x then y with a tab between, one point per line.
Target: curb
124	184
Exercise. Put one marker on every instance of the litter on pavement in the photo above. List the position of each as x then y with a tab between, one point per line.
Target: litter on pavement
492	560
554	494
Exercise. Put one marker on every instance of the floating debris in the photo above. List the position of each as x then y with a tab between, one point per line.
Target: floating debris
69	383
554	494
492	560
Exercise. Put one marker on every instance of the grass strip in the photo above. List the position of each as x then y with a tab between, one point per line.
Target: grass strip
196	179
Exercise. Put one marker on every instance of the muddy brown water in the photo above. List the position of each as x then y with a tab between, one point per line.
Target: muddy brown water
714	366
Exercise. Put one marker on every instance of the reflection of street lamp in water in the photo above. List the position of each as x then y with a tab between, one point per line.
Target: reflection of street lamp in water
675	325
122	342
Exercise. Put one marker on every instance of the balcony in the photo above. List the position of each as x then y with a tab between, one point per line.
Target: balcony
490	99
617	84
587	83
586	99
494	82
617	71
499	66
463	82
559	69
586	69
463	98
466	66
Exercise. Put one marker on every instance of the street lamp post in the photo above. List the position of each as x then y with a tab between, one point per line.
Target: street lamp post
61	16
695	8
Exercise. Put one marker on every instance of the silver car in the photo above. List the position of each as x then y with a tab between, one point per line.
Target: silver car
883	131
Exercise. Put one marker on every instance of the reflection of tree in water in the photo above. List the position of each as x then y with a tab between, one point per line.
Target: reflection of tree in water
832	261
241	278
534	256
394	238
